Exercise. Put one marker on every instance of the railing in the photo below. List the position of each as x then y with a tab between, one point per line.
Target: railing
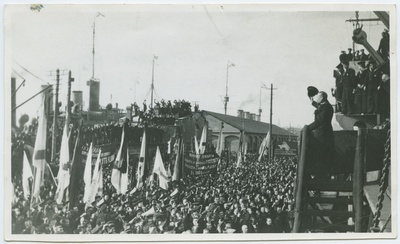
358	179
300	178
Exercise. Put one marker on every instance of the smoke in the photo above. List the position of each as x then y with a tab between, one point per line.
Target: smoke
249	100
253	99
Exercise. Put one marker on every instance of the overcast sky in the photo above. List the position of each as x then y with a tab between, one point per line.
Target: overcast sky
290	49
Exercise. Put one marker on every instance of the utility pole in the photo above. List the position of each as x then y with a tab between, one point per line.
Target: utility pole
260	109
270	120
152	81
67	116
226	98
55	115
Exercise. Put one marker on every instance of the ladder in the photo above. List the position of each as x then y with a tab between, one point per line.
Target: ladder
335	201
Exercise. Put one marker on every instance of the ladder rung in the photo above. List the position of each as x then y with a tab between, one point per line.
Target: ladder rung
343	186
330	200
332	227
333	213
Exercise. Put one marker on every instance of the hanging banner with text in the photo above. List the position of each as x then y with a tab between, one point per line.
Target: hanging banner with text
107	155
197	165
286	148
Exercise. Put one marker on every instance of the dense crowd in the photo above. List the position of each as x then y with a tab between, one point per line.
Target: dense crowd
253	198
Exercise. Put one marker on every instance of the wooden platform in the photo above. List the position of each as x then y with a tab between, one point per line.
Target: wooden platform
371	192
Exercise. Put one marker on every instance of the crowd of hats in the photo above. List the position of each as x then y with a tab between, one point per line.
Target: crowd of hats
253	198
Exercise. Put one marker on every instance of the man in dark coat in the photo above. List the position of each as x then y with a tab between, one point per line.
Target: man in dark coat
349	85
361	93
322	133
373	81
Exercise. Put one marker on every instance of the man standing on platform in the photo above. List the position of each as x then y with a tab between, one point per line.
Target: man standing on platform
349	85
373	81
322	132
361	93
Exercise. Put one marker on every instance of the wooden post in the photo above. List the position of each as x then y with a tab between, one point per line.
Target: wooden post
55	115
300	178
358	180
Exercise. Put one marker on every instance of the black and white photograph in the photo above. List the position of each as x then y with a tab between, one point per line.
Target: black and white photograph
207	122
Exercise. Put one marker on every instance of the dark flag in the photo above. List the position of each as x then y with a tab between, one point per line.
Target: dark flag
76	171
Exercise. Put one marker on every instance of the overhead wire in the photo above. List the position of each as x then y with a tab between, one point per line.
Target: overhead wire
26	70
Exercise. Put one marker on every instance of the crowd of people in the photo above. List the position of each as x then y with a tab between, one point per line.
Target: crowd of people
163	112
366	91
256	197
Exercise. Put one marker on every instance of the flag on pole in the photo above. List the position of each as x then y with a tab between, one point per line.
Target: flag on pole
203	140
220	143
100	181
240	151
87	176
39	153
119	174
26	174
175	176
77	170
142	160
264	145
65	165
160	170
97	177
124	176
196	145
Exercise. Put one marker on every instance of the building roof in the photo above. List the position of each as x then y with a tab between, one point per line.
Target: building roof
250	126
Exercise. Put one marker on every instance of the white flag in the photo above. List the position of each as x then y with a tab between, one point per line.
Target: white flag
87	176
116	174
203	140
26	174
64	170
160	170
39	154
97	176
196	145
142	159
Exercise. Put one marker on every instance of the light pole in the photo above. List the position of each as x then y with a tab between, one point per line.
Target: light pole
152	81
94	35
270	120
226	99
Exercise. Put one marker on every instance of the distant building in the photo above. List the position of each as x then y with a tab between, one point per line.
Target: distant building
254	130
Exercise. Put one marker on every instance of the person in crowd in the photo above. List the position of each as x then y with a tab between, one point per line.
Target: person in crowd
363	55
383	48
349	84
342	56
357	56
373	81
338	91
361	93
349	55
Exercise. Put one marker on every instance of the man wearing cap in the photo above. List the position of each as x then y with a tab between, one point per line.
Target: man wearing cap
373	81
342	56
338	91
349	84
357	55
361	93
383	48
349	55
322	132
363	56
